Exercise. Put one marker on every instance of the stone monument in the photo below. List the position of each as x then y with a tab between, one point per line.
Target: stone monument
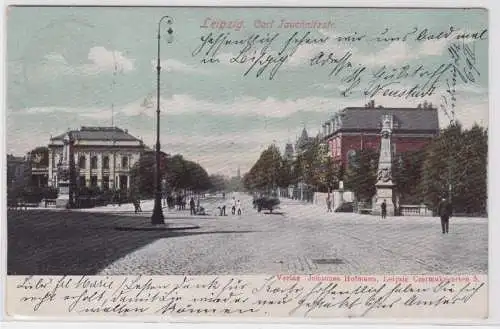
64	175
384	183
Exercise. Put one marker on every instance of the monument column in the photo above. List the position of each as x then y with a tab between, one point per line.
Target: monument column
50	173
385	185
64	175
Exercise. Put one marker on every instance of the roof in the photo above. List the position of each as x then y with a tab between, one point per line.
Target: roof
13	158
408	119
99	133
304	141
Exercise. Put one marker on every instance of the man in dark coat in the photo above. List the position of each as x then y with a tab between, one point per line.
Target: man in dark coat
445	211
192	206
383	207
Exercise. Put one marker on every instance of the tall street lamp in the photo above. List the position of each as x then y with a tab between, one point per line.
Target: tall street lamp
157	216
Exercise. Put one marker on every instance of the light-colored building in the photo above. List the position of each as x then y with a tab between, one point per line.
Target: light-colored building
103	156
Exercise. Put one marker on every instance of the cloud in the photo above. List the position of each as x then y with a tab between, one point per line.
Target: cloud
108	61
268	107
101	60
472	89
394	53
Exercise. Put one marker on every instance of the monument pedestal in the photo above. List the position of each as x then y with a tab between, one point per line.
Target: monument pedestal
384	192
62	200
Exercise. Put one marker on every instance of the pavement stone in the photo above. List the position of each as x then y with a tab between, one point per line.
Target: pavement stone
257	243
56	242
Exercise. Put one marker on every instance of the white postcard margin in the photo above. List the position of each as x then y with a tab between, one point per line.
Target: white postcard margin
286	297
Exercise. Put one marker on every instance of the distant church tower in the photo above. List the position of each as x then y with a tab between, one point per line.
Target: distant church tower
238	173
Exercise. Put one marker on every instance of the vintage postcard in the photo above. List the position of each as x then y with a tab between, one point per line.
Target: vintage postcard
224	163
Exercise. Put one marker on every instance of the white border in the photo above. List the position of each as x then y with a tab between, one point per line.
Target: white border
494	163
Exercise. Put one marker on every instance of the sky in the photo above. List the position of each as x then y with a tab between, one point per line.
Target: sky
223	103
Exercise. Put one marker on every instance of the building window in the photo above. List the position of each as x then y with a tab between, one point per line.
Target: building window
105	162
93	181
93	162
105	182
125	162
81	180
82	162
123	182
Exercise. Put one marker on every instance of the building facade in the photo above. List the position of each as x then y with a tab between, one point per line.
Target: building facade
357	128
18	171
103	157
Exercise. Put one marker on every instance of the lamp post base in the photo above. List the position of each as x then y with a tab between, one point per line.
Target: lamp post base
157	217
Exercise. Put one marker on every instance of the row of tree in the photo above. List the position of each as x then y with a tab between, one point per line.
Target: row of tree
312	167
454	164
179	174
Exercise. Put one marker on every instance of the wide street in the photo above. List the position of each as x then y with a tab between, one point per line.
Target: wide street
301	239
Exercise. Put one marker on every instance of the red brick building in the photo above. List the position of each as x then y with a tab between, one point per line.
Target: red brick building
357	128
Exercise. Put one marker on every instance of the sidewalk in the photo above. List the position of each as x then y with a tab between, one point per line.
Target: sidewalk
210	205
302	209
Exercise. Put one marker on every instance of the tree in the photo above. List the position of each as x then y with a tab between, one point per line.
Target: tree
455	165
264	174
406	173
195	177
179	173
361	175
285	173
218	183
234	184
39	156
143	175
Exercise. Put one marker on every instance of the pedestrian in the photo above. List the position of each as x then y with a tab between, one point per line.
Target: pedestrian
233	206
238	207
222	210
329	203
137	204
445	211
192	206
178	201
383	207
184	202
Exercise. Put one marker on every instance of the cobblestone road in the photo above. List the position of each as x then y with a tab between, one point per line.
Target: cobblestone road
306	240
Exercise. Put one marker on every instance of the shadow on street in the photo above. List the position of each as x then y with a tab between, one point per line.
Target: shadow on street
71	243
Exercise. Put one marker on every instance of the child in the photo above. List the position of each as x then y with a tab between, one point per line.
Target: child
238	207
233	206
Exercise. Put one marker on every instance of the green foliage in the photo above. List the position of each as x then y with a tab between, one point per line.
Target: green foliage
361	177
218	183
32	194
143	175
39	156
456	162
316	168
179	173
265	174
406	173
313	167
